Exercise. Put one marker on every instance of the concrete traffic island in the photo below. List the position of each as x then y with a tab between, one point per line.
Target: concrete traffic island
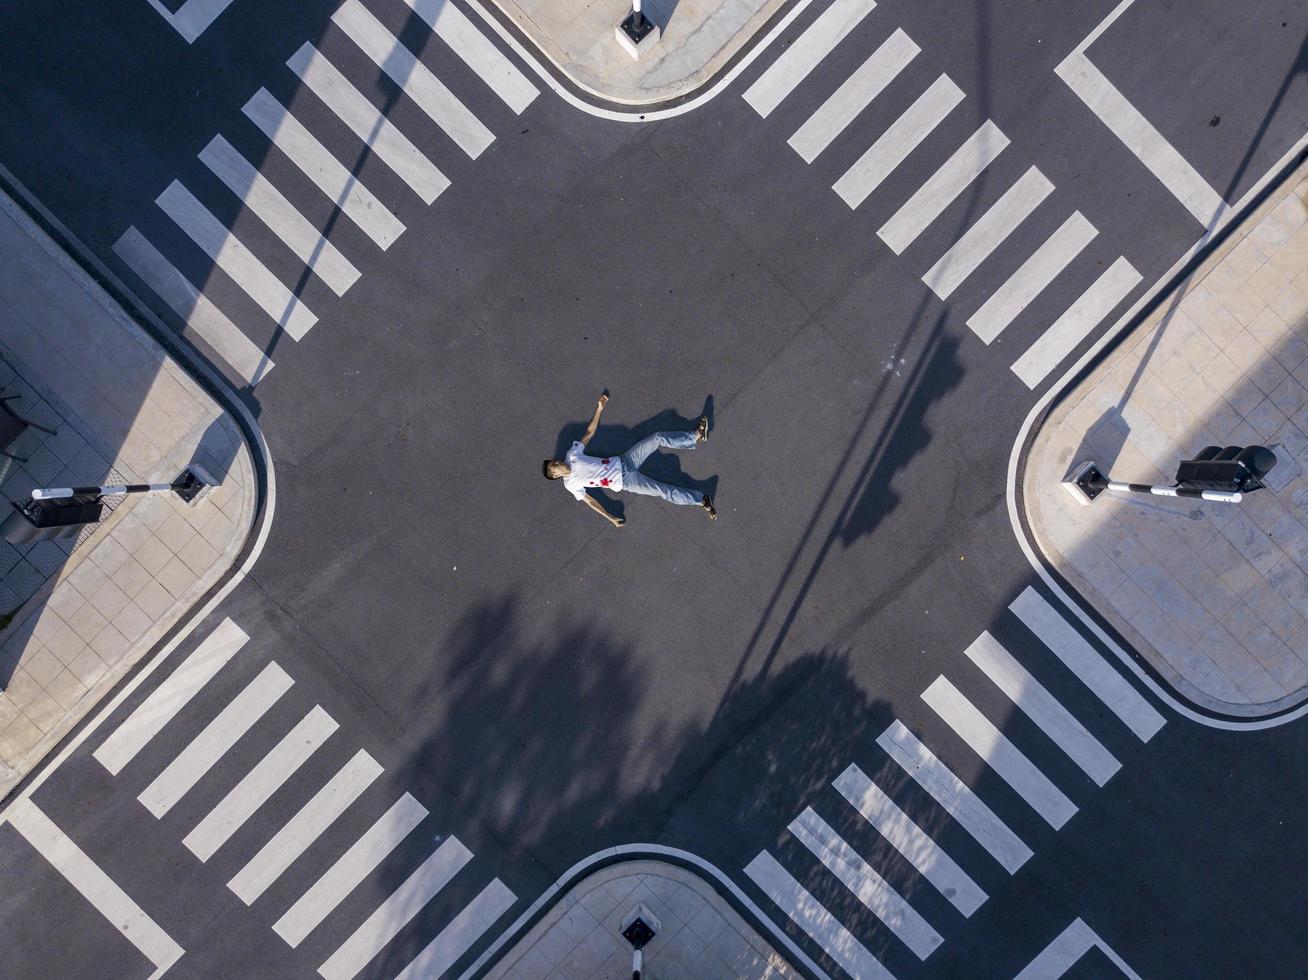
1213	595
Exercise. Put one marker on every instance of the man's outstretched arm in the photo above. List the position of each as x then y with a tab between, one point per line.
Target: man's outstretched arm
594	419
598	508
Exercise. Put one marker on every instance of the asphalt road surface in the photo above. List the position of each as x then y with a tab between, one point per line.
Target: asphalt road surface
864	268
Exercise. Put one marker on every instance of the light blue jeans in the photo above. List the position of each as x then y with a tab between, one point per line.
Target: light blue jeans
637	482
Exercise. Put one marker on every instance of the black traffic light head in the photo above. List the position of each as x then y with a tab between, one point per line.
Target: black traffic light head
1239	468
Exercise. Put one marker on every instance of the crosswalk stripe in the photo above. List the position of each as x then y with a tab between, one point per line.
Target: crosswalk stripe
987	741
280	215
1042	708
987	233
411	75
464	930
1037	272
808	913
869	887
170	697
1076	322
231	255
218	737
477	52
794	64
908	839
305	827
898	141
260	783
368	123
954	796
193	307
396	911
854	95
360	860
1080	658
967	163
1066	951
342	187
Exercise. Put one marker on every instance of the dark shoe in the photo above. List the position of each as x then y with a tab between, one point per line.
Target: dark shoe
708	506
701	429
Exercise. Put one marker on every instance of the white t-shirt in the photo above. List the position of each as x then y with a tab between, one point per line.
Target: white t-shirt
591	471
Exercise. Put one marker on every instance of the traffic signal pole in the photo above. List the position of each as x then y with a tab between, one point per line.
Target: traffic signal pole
1223	475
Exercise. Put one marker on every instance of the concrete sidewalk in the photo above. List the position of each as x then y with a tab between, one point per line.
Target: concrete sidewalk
1215	596
81	612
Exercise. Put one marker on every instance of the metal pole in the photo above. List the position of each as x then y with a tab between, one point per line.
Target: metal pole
637	19
1222	496
637	956
62	493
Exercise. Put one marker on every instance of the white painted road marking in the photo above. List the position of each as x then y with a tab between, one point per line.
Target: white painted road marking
954	795
214	742
305	827
1043	708
395	912
988	232
193	307
998	752
898	141
170	697
1037	272
193	17
794	64
477	52
411	75
280	215
1080	658
1064	952
94	885
964	166
260	783
868	886
807	913
859	89
342	187
350	869
909	840
464	930
231	255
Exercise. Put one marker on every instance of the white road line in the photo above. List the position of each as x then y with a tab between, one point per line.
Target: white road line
260	783
477	52
1043	708
967	163
396	911
954	796
360	860
794	64
193	307
807	913
869	887
342	187
368	123
1077	321
986	234
910	840
231	255
411	75
213	743
1080	658
305	827
193	17
857	92
1126	123
94	885
279	214
1037	272
1064	952
170	697
464	930
998	752
898	141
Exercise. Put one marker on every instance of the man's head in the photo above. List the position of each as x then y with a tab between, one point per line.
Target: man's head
555	469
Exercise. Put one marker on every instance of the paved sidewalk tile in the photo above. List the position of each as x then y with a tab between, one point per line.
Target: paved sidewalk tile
1214	595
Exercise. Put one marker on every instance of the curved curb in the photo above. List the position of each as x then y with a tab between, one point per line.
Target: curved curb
1212	238
708	872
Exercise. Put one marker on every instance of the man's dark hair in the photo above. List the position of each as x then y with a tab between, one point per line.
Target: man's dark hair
549	468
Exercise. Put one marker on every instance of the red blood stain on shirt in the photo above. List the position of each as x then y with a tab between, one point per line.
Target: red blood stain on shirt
605	462
604	482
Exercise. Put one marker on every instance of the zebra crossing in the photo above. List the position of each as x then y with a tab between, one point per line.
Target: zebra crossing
318	905
836	119
906	754
408	155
